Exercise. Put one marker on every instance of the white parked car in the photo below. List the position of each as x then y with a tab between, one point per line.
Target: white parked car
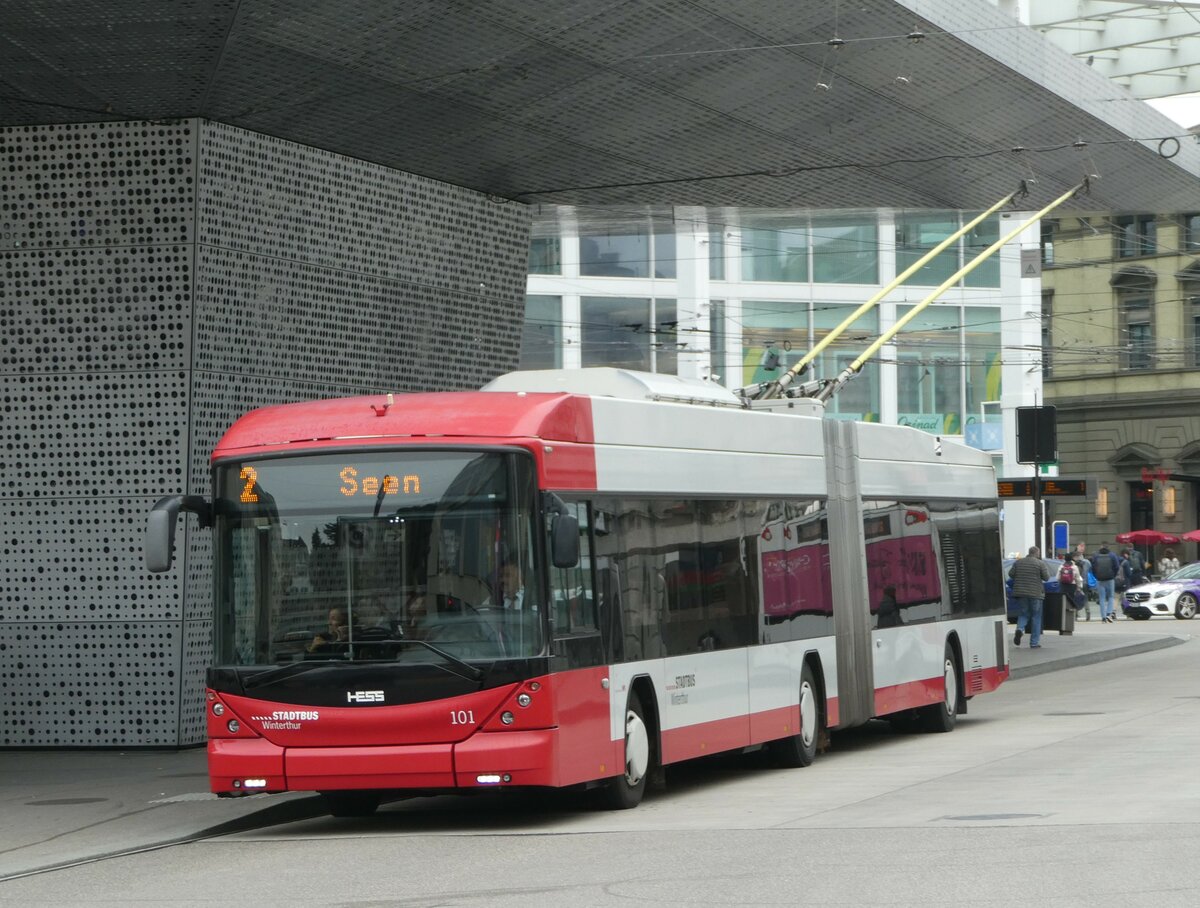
1177	594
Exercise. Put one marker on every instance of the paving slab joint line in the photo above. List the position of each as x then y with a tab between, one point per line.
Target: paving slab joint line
290	811
1132	649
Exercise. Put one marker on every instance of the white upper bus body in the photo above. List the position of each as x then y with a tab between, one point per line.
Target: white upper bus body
666	437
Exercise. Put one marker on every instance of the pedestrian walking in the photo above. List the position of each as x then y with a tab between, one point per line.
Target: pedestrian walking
1105	568
1029	576
1137	568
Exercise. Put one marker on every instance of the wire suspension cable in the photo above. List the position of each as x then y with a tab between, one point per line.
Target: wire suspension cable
855	367
776	388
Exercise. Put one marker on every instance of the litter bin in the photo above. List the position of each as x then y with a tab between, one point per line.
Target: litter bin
1057	615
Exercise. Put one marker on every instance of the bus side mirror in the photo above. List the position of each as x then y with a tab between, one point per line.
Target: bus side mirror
160	528
564	541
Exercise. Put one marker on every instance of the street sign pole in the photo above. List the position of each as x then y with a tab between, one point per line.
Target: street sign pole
1037	488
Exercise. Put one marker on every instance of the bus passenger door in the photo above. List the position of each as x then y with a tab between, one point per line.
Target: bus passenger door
581	674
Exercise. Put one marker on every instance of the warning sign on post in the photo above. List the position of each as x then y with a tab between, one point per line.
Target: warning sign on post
1031	263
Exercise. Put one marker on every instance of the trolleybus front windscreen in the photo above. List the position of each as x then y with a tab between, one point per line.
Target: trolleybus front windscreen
376	556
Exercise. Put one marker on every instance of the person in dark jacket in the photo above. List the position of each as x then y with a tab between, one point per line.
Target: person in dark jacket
1029	576
1106	567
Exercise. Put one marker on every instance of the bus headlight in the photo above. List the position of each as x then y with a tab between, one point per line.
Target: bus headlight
506	717
524	699
234	726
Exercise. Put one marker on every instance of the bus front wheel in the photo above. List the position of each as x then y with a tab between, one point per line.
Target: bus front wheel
626	790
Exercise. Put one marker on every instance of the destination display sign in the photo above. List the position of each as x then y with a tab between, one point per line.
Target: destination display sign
1051	487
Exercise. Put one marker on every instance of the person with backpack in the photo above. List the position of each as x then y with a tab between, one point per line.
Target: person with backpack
1137	568
1105	567
1070	583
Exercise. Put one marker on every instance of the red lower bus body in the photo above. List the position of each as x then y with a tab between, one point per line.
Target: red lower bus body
561	738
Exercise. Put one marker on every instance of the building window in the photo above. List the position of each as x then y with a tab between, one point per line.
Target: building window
859	398
716	340
666	337
981	348
1136	235
980	237
615	331
929	377
545	255
916	234
845	251
774	249
716	253
774	335
1137	328
615	250
664	247
629	333
1048	229
1189	291
541	335
1194	312
1191	232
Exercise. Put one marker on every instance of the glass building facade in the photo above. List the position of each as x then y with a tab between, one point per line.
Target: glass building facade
737	296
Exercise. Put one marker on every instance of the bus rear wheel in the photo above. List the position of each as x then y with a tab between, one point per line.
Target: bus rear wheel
801	749
626	790
942	717
351	803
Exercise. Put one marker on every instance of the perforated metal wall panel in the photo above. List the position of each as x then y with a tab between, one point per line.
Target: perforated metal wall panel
156	281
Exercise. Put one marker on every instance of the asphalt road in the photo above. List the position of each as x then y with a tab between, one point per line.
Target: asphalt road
1075	787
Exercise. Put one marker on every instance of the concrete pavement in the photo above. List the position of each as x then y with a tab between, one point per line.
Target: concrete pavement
73	806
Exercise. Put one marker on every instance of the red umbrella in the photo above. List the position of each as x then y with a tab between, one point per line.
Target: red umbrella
1190	536
1146	537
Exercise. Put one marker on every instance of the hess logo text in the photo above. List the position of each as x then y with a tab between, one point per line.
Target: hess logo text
364	696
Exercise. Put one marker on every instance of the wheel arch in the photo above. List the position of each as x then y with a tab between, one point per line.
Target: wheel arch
643	686
812	659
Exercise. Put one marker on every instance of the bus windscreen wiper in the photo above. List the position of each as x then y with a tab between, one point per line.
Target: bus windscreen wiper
467	669
289	670
464	669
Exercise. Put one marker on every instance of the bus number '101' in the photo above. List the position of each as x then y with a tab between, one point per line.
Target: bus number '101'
462	717
374	485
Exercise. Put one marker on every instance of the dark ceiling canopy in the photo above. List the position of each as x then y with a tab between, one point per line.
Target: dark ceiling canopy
767	103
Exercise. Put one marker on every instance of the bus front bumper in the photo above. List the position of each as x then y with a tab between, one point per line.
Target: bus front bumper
485	760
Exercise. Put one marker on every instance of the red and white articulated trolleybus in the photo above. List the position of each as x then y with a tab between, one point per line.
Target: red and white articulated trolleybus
571	578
